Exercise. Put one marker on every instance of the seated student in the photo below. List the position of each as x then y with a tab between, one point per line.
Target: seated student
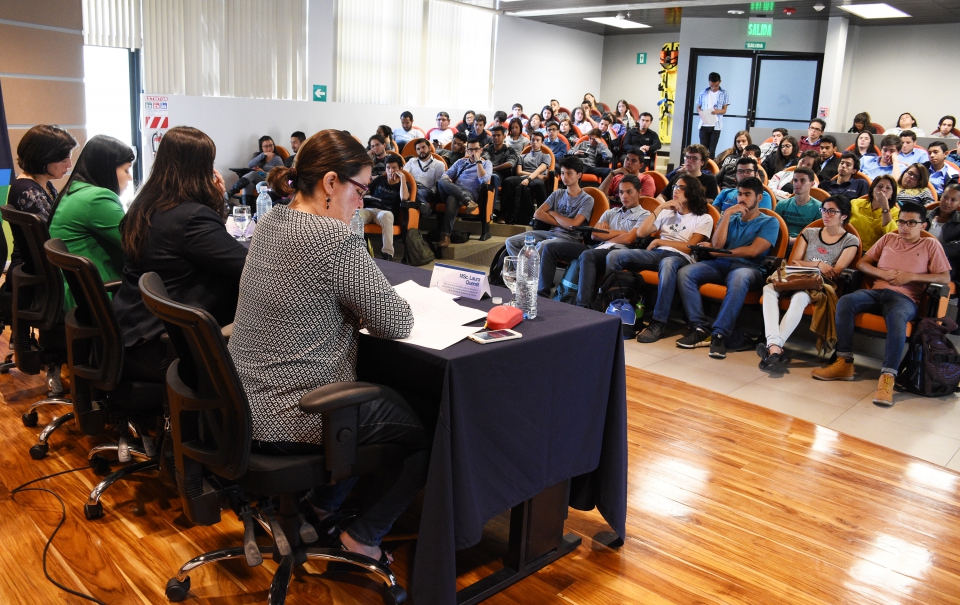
610	127
534	124
729	156
644	139
480	126
426	171
563	210
683	222
801	209
462	185
527	189
296	140
829	161
782	182
862	123
910	152
787	155
901	264
913	186
954	156
945	128
746	169
748	234
767	148
406	132
457	148
557	114
906	121
831	250
516	113
259	166
174	227
694	158
876	214
500	119
87	214
391	189
466	124
503	158
623	115
941	173
515	137
814	131
388	143
594	154
582	120
864	146
567	131
943	222
632	164
442	134
846	184
378	154
308	288
621	225
546	115
886	162
554	142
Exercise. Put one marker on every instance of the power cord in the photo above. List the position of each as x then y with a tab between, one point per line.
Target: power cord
63	519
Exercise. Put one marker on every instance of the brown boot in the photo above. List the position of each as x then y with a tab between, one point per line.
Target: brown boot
884	395
444	240
841	369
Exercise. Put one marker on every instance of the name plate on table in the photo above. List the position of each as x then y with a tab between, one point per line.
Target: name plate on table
459	281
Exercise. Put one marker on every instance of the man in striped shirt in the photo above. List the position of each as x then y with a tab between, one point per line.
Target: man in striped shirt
712	103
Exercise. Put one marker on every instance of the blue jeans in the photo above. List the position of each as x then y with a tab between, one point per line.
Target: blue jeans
460	197
897	310
667	264
738	276
552	250
590	260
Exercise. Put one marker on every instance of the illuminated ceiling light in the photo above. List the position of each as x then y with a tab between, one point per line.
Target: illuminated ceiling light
615	22
874	11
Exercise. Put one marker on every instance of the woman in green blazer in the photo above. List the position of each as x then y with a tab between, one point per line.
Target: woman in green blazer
87	213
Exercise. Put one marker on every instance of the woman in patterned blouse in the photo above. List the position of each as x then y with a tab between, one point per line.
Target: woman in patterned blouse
307	288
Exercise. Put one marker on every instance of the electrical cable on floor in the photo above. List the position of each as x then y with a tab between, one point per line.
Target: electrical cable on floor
63	519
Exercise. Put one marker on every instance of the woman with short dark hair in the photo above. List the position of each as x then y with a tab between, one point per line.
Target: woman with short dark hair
308	287
260	164
87	214
914	186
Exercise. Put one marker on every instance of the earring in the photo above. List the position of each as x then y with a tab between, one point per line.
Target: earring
328	203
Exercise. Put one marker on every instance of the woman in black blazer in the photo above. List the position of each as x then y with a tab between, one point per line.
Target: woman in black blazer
175	228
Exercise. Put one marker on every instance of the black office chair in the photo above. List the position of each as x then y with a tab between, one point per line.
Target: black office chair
37	306
211	433
101	394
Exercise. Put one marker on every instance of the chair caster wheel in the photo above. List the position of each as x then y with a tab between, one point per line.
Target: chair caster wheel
94	511
100	465
394	595
176	590
29	419
39	451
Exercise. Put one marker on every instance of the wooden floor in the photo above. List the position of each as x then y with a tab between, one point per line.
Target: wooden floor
728	503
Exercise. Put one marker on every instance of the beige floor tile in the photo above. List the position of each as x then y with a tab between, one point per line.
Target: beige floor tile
718	381
664	348
954	464
638	358
804	408
922	444
940	415
742	364
797	380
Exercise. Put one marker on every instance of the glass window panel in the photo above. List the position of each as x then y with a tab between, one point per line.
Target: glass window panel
785	89
734	78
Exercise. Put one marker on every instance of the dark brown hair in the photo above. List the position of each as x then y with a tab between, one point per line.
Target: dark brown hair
695	194
327	151
923	176
182	173
42	145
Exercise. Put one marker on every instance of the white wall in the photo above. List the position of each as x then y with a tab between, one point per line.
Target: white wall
886	81
622	78
321	44
536	62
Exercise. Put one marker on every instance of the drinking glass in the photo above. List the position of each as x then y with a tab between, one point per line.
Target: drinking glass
241	216
509	275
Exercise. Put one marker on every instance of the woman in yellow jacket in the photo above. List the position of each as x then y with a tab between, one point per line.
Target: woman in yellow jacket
876	214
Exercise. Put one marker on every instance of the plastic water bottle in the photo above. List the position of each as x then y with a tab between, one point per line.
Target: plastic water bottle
264	201
528	277
356	223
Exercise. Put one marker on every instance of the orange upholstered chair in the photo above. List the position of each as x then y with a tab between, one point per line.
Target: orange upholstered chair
659	179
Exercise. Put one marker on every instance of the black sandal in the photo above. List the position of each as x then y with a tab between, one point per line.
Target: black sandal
336	566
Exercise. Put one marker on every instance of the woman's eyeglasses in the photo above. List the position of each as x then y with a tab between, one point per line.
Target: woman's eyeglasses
829	211
364	190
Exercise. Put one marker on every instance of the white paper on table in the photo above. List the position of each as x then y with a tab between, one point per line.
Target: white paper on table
437	336
709	119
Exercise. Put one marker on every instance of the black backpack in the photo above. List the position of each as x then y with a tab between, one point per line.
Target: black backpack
932	366
417	250
496	268
620	284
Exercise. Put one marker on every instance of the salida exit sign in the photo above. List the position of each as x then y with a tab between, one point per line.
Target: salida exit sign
760	28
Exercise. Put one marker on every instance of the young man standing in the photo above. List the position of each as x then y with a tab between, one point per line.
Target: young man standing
901	265
643	139
426	171
800	210
941	173
391	189
594	154
632	165
829	162
814	130
887	162
406	132
694	157
296	140
563	210
712	103
462	185
748	234
845	184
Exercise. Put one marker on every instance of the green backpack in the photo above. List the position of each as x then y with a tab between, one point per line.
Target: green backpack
417	249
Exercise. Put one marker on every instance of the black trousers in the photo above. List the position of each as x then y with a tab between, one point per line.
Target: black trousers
518	202
709	137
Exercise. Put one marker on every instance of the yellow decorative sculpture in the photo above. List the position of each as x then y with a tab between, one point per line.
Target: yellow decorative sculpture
669	55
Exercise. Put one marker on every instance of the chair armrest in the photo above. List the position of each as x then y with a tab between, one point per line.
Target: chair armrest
850	279
112	286
339	395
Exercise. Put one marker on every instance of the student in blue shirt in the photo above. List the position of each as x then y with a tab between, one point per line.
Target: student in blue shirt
910	152
748	234
941	173
746	168
461	185
886	162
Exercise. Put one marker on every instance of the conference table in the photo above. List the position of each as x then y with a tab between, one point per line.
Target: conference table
532	425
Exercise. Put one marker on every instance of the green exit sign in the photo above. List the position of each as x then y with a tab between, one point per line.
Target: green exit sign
755	45
641	58
760	30
320	92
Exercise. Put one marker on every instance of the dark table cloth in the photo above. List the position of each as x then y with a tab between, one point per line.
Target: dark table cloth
514	418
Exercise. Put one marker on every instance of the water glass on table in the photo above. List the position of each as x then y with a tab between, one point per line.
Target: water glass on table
241	217
509	275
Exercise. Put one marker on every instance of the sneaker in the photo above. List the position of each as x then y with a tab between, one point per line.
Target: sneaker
771	362
718	346
471	206
387	257
884	395
841	369
652	333
698	337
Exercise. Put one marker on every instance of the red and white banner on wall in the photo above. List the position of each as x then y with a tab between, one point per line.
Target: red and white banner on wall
156	119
